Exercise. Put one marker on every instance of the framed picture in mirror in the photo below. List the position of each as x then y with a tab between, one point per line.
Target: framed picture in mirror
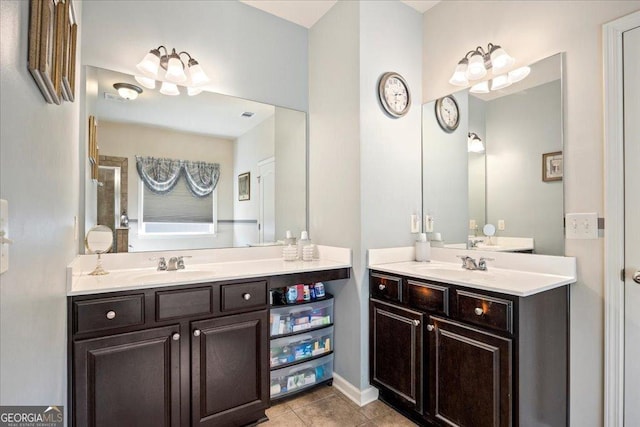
552	167
244	186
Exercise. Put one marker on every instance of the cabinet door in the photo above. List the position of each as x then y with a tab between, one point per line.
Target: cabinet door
470	374
230	369
396	352
128	379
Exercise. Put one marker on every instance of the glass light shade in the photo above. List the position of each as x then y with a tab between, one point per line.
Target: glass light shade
519	74
500	82
500	60
127	93
476	69
475	145
197	74
482	87
147	82
175	70
169	89
459	77
193	91
149	64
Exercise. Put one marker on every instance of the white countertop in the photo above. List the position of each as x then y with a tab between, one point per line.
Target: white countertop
245	263
509	274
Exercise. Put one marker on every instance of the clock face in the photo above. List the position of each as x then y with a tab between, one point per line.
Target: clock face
394	94
447	113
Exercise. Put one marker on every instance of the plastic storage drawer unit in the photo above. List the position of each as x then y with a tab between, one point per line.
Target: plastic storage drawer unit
296	348
295	378
288	319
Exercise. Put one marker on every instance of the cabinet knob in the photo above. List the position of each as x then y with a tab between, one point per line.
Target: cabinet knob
381	287
246	296
111	314
478	311
636	276
196	333
416	322
175	336
430	328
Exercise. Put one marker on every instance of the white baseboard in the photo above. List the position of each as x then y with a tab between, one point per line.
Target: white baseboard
359	397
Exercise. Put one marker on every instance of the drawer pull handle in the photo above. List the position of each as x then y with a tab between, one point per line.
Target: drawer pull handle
381	287
176	336
196	333
416	322
111	314
430	328
246	296
478	311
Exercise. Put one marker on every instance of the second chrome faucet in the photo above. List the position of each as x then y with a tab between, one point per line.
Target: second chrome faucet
469	263
175	263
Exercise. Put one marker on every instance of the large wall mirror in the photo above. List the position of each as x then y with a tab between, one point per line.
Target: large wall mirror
501	166
260	151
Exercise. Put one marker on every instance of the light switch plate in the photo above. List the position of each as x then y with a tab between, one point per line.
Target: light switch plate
582	226
501	224
4	233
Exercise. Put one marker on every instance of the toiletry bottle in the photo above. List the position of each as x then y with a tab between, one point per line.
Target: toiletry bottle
289	239
304	241
423	248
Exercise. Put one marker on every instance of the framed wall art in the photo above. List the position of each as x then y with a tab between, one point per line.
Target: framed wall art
552	166
244	186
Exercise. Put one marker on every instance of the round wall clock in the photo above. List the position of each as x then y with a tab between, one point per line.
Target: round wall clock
448	113
394	95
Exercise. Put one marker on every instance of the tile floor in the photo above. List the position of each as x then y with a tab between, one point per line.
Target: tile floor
325	406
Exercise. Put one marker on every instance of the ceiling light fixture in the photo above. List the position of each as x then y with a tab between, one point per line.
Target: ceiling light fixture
127	91
475	144
176	71
476	63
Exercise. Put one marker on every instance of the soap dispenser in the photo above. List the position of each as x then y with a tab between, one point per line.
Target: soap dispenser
423	248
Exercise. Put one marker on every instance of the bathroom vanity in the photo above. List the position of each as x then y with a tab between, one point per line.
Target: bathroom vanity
181	348
450	346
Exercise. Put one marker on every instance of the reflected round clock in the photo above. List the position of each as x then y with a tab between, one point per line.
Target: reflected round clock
448	113
394	95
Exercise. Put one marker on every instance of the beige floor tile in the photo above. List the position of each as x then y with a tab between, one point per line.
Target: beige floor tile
392	419
311	396
329	412
375	409
277	409
284	419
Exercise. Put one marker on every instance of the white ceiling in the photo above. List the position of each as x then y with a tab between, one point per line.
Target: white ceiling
307	12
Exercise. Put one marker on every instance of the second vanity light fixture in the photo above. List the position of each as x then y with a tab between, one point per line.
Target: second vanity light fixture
476	63
176	72
474	143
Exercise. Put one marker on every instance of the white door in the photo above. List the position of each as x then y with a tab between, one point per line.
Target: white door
631	49
267	195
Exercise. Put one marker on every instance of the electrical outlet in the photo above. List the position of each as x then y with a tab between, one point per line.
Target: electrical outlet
501	224
472	224
582	226
415	223
428	223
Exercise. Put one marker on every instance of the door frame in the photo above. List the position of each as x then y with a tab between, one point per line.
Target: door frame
614	214
261	163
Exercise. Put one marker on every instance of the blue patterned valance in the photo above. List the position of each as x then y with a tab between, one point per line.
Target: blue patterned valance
160	175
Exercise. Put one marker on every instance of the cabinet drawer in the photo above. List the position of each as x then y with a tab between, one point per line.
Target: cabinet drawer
385	287
241	296
108	313
428	297
482	310
189	302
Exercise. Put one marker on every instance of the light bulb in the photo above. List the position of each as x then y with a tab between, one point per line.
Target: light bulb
127	91
476	69
175	69
500	82
147	82
169	89
482	87
150	63
500	60
459	77
519	74
197	74
474	143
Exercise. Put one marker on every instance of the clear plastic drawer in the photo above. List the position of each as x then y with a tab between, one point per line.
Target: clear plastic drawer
305	345
289	319
298	377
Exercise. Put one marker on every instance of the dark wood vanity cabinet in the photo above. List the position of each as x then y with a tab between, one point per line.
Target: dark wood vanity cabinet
489	359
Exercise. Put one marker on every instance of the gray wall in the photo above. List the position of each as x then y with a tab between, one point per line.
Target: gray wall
520	128
39	178
445	172
477	165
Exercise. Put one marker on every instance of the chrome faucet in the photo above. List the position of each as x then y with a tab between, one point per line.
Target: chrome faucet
173	264
162	263
469	263
473	243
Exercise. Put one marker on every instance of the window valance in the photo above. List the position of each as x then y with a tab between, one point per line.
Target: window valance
160	175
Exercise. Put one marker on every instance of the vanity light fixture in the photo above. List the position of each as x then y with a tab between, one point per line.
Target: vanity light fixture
127	90
476	63
474	142
176	71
